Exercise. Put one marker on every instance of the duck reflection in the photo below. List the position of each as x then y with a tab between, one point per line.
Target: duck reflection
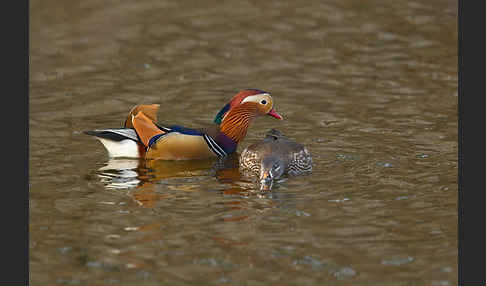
130	173
120	173
242	203
141	177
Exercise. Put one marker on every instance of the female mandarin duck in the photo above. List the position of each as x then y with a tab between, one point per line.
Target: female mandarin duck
142	136
274	156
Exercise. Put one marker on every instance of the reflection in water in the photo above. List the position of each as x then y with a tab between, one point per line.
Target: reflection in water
130	173
141	176
244	202
120	173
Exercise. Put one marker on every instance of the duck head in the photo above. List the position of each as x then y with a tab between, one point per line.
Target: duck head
234	118
271	168
249	95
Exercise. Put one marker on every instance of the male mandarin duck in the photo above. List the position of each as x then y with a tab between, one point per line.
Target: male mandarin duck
142	136
274	156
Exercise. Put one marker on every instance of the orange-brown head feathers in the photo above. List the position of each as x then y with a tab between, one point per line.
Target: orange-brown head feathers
263	102
236	116
261	98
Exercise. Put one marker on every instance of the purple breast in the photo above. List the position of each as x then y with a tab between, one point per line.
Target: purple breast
226	143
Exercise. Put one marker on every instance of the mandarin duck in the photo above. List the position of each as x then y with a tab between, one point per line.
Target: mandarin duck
274	156
142	136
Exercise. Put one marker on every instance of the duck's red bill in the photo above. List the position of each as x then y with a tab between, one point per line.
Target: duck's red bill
274	113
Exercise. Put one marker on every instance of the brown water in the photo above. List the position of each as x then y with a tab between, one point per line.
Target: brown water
370	87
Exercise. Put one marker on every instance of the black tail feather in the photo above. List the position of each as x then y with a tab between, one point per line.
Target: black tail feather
114	135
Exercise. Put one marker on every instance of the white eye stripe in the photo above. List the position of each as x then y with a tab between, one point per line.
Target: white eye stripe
256	98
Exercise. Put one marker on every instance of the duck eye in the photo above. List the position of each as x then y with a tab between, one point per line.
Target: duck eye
263	101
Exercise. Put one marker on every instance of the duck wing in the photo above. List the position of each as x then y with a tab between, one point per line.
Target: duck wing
175	142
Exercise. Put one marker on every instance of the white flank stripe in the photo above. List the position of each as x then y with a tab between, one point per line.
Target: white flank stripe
211	146
215	147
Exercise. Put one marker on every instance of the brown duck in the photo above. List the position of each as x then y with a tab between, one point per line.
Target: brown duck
274	156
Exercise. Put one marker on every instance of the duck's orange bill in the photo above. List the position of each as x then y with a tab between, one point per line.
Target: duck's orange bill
274	113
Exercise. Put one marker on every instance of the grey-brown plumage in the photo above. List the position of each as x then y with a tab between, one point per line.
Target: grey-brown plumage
274	151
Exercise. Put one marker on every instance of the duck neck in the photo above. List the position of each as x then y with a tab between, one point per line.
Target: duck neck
235	124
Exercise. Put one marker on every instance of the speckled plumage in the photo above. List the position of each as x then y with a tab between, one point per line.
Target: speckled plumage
295	157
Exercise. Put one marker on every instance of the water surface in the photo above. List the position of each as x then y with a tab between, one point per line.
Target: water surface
369	87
